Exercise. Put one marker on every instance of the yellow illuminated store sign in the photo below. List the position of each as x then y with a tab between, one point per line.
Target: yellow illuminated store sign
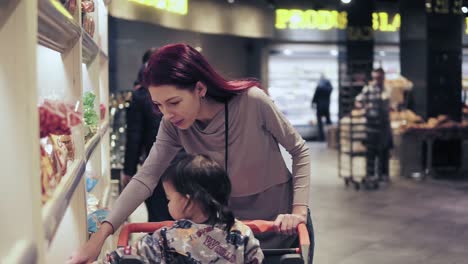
466	25
174	6
382	22
310	19
330	19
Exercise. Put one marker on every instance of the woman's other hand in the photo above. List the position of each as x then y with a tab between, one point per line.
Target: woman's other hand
88	253
287	223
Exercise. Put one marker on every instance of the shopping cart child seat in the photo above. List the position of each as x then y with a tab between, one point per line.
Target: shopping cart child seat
299	255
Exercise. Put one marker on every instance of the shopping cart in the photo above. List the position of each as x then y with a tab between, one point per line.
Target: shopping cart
300	255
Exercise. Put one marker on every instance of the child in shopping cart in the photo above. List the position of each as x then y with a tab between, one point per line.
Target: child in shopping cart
205	230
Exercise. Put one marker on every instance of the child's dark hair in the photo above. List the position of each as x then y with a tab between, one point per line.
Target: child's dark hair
206	182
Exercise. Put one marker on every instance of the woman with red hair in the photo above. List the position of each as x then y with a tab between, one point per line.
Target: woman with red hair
233	122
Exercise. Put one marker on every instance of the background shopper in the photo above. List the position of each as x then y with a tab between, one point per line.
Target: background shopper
321	103
375	101
142	128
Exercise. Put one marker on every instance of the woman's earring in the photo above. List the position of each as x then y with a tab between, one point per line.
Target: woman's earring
202	97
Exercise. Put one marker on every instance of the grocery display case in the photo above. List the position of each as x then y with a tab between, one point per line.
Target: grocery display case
53	55
294	71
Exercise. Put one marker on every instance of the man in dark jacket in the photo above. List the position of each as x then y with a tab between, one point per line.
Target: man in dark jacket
142	128
321	102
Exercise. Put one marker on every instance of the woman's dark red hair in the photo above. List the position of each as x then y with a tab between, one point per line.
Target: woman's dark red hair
183	66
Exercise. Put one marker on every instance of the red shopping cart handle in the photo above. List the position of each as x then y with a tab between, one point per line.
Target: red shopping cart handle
257	226
262	226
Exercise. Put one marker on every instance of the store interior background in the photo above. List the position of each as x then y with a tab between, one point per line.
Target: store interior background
239	39
289	62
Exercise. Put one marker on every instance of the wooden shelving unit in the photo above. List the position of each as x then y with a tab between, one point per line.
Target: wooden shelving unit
45	54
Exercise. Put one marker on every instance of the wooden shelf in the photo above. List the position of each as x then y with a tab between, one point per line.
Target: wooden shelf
6	9
54	209
90	48
104	128
45	33
111	193
57	29
95	140
103	55
91	145
22	252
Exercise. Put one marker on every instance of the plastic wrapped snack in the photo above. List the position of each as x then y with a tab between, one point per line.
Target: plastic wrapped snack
87	6
51	120
91	180
91	183
95	219
60	154
102	109
48	172
88	24
92	203
91	118
67	141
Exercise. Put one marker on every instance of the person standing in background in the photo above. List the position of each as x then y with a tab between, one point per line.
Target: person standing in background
142	128
375	101
138	83
321	103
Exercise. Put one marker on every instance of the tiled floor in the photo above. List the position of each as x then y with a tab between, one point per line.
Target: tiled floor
404	222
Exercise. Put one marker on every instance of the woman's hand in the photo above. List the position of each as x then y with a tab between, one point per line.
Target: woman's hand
287	223
90	251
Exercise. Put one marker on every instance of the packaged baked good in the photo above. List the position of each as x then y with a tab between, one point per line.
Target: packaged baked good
47	175
88	24
48	169
67	141
87	6
60	155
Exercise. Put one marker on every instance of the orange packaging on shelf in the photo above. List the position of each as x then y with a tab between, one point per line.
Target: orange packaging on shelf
67	141
48	169
88	24
60	155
